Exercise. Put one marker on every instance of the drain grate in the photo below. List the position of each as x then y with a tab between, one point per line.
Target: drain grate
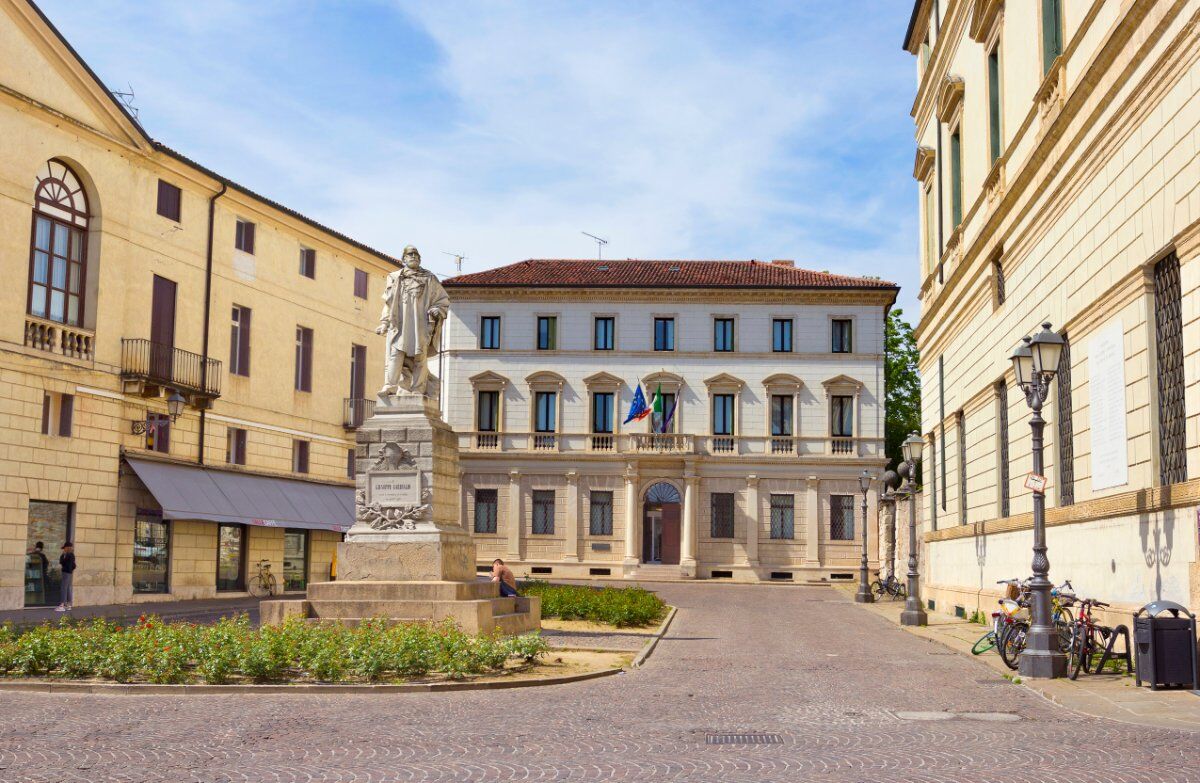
743	738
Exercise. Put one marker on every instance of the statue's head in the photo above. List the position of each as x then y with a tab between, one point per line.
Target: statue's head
411	258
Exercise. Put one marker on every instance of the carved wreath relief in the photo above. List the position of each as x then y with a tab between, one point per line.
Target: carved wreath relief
394	498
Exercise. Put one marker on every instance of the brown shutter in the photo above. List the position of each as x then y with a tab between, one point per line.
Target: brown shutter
66	411
306	368
358	377
249	238
45	414
244	343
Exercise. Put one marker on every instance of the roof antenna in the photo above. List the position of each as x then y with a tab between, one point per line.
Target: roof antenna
600	243
126	99
458	261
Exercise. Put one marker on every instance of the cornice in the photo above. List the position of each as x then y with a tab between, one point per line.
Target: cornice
950	97
985	15
923	163
882	297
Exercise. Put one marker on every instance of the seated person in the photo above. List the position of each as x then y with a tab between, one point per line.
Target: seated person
504	576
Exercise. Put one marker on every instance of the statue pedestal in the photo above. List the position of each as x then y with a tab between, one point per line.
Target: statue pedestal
407	557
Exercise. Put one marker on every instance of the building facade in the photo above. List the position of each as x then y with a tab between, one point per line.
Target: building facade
1057	170
775	378
139	281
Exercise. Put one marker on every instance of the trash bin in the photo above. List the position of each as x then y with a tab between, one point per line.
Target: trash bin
1165	642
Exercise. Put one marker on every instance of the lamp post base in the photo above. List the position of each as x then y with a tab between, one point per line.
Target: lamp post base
1042	664
913	614
864	595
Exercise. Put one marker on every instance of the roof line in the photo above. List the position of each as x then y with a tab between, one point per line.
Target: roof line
450	283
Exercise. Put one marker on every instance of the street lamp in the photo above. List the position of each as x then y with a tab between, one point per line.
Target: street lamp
863	596
1035	362
914	613
887	502
175	404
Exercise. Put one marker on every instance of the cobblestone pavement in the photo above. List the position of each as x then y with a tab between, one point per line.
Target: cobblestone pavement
835	684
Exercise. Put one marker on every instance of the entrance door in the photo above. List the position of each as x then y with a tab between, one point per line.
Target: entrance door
50	526
162	329
670	533
660	525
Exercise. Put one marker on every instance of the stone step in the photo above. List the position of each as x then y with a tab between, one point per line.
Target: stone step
516	623
402	591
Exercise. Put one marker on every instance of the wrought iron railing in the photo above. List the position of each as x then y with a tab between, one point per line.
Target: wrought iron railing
356	410
165	365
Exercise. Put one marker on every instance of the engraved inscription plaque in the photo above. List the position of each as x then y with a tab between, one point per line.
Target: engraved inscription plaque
394	489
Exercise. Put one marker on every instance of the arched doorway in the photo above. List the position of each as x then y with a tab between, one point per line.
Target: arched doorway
660	524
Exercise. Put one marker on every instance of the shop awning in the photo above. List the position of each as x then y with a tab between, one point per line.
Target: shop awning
194	492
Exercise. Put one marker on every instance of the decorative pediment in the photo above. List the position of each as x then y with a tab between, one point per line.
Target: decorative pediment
546	379
488	380
984	16
783	380
603	381
918	26
669	380
950	97
724	381
923	163
842	382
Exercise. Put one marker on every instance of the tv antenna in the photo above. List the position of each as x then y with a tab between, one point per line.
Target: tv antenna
458	260
600	243
126	99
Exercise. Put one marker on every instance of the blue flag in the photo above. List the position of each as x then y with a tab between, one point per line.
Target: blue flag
638	409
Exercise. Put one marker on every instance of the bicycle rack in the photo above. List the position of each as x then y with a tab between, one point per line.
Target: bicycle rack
1126	655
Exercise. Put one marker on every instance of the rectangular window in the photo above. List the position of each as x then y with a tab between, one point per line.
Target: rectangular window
998	272
843	335
485	510
235	446
308	262
543	512
300	456
295	559
841	517
993	67
1052	33
956	195
231	572
49	525
488	411
722	420
1002	436
151	553
723	334
961	421
350	463
781	335
1066	428
361	283
605	331
169	200
358	380
602	413
58	413
304	346
57	271
664	334
722	515
244	238
783	516
1172	411
841	412
547	332
489	332
601	514
781	414
546	413
158	432
239	341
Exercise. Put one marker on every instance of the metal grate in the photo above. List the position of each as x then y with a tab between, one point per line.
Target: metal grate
961	421
1066	429
999	267
743	738
1172	417
1002	435
933	520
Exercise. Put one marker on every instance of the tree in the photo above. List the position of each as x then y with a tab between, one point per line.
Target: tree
902	385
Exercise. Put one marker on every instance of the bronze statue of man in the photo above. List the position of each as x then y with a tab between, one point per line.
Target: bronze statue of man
414	308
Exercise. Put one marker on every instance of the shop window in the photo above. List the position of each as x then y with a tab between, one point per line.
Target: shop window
50	526
151	553
231	560
295	559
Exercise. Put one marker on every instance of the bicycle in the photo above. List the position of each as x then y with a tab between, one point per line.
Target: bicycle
1087	639
262	583
890	586
1013	636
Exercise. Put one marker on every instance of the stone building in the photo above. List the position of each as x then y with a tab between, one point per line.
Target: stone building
1057	175
778	375
136	276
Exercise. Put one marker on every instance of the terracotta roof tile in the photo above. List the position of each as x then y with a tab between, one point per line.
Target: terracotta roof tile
575	273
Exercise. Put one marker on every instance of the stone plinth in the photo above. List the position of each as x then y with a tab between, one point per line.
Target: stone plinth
419	557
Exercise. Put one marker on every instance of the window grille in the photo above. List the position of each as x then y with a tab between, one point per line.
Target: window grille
1002	435
1172	414
999	269
543	512
961	421
783	516
602	514
485	510
841	517
1066	432
722	515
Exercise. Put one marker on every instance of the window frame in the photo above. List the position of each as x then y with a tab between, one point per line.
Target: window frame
239	340
716	515
605	526
668	322
306	559
778	528
545	501
235	446
550	409
719	400
158	432
243	236
304	354
551	321
834	323
724	334
483	331
172	203
956	175
848	508
1053	39
845	404
790	399
301	454
608	398
308	262
362	284
149	519
494	395
611	320
476	504
790	333
239	584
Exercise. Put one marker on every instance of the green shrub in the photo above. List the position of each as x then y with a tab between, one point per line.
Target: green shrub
620	606
264	656
35	651
528	647
218	647
122	655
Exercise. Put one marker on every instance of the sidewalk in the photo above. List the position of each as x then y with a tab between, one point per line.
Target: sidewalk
199	611
1112	696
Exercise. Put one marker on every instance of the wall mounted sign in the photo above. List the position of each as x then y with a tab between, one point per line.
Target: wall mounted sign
1106	408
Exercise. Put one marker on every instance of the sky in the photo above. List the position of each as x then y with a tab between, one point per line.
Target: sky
503	130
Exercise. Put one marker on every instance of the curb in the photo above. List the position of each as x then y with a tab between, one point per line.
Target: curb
641	657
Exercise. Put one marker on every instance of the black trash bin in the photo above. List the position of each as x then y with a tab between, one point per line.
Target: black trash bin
1165	642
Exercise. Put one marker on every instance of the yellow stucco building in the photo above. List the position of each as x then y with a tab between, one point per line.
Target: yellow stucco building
134	277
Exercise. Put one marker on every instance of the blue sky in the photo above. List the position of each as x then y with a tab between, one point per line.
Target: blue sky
772	129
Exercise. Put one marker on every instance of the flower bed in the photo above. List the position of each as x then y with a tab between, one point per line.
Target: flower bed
232	651
623	607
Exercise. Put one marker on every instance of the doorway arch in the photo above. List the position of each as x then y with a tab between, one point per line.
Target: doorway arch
661	506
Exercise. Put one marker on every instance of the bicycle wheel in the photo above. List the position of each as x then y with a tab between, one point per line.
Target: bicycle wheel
985	643
1077	660
878	589
1012	643
272	585
257	586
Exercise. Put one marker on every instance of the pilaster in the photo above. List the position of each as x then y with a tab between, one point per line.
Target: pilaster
631	517
753	520
812	526
687	543
571	539
515	522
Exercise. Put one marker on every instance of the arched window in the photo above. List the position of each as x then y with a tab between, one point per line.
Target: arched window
58	252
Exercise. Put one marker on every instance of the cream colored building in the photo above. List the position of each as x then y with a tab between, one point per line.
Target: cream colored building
778	375
1058	177
133	272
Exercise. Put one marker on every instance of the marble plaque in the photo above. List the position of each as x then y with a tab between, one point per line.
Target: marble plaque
1106	409
394	489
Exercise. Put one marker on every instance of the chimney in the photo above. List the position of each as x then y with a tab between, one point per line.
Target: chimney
783	262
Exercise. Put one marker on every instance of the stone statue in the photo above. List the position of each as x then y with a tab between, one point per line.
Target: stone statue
414	308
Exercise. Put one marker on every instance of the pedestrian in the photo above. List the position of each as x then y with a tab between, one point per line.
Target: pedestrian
503	575
67	561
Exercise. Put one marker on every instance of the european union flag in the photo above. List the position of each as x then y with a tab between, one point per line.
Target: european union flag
638	410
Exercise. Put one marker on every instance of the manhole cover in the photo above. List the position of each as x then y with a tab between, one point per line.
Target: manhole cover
743	738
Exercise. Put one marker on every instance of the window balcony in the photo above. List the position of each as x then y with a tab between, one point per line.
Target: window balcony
355	411
59	339
769	447
148	367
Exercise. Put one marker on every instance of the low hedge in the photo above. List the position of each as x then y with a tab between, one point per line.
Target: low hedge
620	606
231	650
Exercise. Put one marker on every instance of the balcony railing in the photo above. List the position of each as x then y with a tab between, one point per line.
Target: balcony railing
841	445
661	443
60	339
603	442
545	441
356	410
156	364
487	441
771	447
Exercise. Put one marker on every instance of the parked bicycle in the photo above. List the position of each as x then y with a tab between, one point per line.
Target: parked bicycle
262	583
888	585
1087	641
1010	625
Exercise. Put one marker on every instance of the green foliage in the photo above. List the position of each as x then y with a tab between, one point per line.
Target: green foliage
978	618
231	650
902	384
620	606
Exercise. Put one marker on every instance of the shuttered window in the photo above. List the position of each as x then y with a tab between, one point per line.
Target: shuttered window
169	200
304	345
244	237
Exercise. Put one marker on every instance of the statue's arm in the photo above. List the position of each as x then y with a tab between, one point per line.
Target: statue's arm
385	315
439	303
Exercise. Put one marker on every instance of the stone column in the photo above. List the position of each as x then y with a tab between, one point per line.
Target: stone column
753	521
570	551
515	522
812	524
687	543
631	521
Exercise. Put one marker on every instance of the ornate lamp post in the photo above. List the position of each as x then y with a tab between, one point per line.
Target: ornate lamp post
863	596
1035	361
914	613
887	508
